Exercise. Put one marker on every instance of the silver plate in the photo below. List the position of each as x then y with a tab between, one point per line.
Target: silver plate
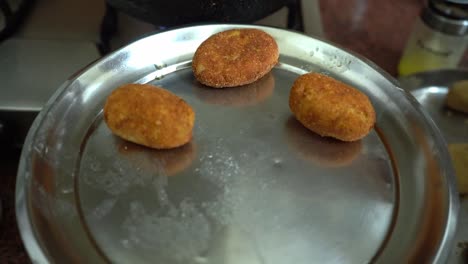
252	187
430	89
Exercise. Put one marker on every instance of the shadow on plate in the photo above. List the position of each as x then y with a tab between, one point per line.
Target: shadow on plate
322	151
172	161
245	95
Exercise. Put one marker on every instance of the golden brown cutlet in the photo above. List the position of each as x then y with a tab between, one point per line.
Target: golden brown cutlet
459	154
235	57
457	97
149	115
331	108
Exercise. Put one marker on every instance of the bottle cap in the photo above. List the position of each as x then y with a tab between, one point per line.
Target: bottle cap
458	1
447	16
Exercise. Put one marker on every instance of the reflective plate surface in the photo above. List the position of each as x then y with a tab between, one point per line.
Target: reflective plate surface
253	186
430	89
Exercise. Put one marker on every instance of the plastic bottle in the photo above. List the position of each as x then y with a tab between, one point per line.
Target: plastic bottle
439	38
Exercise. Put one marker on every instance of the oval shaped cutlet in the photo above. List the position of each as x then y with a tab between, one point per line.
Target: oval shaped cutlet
235	57
149	116
457	97
331	108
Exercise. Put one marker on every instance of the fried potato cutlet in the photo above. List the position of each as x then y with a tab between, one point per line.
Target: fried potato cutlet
235	57
457	97
149	116
459	154
331	108
322	151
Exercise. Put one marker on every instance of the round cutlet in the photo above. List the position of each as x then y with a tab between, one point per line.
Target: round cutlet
331	108
459	154
235	57
457	97
149	116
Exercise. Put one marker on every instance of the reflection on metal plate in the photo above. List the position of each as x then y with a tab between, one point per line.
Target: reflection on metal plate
253	186
430	89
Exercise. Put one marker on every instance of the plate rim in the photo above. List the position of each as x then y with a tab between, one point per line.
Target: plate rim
36	250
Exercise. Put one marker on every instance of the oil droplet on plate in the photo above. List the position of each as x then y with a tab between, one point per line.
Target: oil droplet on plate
125	243
200	260
160	66
159	77
277	162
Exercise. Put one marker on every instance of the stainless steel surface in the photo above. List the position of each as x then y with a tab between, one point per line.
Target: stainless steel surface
458	1
445	23
252	187
430	89
454	9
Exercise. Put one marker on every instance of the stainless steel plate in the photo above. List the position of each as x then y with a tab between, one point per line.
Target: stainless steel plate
430	89
252	187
